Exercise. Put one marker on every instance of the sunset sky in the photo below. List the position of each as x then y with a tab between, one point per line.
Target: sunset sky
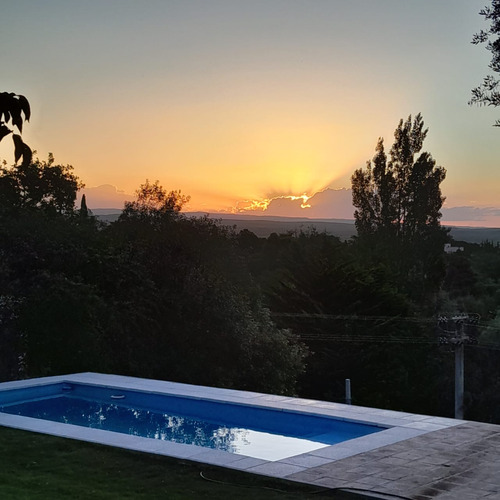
241	101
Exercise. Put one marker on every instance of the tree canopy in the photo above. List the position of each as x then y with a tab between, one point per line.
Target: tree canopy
488	93
400	197
153	201
38	184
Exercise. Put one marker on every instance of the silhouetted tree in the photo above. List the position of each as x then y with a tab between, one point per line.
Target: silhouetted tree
403	196
38	185
154	202
488	93
398	203
84	211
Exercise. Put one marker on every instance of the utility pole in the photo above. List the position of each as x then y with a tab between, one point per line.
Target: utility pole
456	331
459	371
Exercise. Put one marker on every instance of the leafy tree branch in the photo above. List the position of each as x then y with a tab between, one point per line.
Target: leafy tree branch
15	109
488	93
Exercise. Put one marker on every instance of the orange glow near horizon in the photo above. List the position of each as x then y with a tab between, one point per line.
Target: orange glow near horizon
262	205
271	157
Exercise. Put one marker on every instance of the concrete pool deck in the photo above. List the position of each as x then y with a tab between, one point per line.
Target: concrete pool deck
416	456
460	463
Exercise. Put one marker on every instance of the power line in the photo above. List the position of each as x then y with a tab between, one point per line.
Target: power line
354	317
370	338
325	337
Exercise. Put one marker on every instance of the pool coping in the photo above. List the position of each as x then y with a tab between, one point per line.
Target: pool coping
400	425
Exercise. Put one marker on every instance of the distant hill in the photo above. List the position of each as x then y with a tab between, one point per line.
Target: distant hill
264	225
475	234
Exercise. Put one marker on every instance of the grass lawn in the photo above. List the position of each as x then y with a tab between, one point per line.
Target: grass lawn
37	466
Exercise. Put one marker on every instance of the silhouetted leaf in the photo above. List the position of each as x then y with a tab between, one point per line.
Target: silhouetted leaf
4	131
18	145
21	150
13	107
4	99
15	111
25	107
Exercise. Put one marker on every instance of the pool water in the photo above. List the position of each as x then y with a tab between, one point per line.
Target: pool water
251	431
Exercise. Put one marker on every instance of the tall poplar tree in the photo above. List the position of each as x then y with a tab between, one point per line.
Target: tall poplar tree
400	196
397	202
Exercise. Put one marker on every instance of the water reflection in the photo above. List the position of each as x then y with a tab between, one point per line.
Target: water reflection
118	418
163	426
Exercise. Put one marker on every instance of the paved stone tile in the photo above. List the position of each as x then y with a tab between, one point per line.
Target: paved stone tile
395	473
458	463
437	459
306	460
309	476
332	453
391	460
372	481
276	469
331	482
355	468
408	455
246	463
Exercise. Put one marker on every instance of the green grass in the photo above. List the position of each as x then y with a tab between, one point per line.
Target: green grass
36	466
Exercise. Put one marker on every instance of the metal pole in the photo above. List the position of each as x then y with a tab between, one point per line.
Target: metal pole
348	391
459	380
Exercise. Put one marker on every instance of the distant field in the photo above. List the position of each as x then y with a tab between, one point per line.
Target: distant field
264	226
344	229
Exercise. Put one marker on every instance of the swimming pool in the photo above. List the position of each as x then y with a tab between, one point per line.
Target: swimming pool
265	433
394	426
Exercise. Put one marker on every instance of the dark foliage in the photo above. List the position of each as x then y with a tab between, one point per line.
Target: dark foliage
155	294
355	322
488	93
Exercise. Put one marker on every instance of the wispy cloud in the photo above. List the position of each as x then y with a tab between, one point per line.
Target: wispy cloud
327	204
